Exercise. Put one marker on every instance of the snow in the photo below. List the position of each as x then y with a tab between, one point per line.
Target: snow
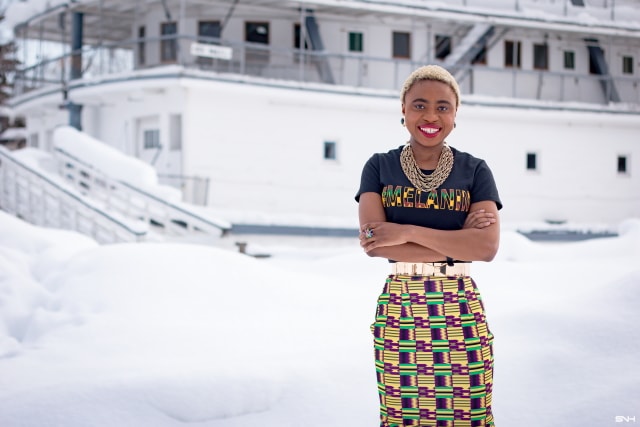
13	133
170	333
104	158
166	334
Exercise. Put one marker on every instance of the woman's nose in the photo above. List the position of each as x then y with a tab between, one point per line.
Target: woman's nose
430	114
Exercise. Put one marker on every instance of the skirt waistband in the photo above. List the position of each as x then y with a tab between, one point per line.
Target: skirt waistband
431	269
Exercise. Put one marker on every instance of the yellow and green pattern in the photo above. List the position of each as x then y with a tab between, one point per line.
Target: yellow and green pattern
433	353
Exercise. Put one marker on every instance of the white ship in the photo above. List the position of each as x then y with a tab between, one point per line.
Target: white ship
266	110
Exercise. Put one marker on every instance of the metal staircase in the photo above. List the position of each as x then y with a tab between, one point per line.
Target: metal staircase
476	39
83	199
322	62
598	63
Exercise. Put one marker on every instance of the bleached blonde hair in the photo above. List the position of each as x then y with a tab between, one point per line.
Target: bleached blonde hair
431	72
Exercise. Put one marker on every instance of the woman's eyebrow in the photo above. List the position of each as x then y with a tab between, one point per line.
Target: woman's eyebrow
440	101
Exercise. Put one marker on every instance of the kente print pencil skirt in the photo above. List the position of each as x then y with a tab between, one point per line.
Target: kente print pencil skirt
433	353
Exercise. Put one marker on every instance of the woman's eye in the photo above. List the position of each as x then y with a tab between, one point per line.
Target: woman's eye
419	107
443	108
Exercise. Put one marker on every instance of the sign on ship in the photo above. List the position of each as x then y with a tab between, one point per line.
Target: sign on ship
211	51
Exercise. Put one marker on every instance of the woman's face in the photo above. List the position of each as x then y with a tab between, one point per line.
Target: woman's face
429	110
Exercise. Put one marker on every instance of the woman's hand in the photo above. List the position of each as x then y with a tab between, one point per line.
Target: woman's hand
377	234
479	219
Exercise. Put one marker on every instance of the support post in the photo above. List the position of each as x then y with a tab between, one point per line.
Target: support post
77	27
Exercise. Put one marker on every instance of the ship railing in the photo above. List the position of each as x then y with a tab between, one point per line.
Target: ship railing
610	10
295	65
45	200
195	189
151	206
549	86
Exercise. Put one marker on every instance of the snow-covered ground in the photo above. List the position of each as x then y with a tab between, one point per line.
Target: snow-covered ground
168	334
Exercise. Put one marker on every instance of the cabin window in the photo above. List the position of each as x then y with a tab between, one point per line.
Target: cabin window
569	60
401	45
443	46
622	164
596	57
208	31
481	56
297	34
142	35
512	54
256	32
540	56
48	140
175	132
168	43
627	65
532	162
33	140
330	152
355	42
151	138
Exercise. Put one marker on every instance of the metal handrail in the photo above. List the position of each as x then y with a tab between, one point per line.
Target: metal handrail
169	209
300	66
6	156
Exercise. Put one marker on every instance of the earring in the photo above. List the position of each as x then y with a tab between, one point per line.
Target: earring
402	121
454	124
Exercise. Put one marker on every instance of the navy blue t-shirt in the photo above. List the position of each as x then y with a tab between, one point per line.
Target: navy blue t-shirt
446	208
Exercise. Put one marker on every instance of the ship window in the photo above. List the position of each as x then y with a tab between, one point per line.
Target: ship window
168	43
330	150
175	132
208	33
622	164
33	140
596	60
481	56
297	33
151	138
208	30
569	60
297	30
257	32
142	34
627	64
355	42
443	46
512	54
540	57
531	161
401	45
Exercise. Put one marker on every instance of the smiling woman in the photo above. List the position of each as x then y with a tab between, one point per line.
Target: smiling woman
431	210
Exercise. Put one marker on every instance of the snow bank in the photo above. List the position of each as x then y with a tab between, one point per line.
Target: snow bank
163	334
104	158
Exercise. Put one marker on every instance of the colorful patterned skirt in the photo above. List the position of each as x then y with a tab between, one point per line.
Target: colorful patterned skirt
433	353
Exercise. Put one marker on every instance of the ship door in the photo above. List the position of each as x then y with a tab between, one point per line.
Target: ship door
256	57
148	142
356	71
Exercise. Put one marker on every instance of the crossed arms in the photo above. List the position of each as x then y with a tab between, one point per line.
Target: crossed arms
477	241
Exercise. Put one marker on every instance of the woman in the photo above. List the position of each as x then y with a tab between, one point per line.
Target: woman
431	210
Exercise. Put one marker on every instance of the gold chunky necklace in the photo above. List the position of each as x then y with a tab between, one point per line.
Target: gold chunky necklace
417	177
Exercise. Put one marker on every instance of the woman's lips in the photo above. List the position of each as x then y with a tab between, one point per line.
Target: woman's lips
430	131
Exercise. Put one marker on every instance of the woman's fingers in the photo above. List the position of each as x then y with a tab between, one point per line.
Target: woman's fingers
479	219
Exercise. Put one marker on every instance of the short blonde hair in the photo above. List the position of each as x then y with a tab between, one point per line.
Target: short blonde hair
431	72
